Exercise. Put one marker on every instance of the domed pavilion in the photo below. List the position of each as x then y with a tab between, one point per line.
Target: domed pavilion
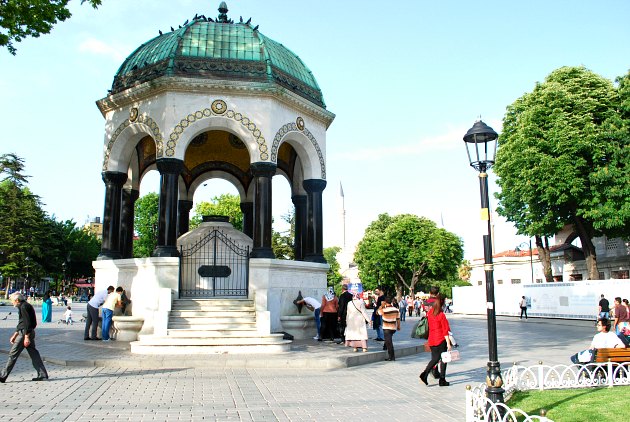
212	98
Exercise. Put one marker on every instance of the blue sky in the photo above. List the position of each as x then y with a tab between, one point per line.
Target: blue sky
406	80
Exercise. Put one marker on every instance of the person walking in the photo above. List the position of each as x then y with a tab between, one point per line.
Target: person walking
402	307
47	307
523	305
112	302
68	316
344	299
604	307
92	313
391	323
622	320
376	318
356	319
24	338
439	341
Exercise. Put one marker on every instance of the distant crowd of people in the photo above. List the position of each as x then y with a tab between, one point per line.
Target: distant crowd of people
345	320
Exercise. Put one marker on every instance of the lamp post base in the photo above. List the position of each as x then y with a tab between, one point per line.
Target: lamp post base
494	383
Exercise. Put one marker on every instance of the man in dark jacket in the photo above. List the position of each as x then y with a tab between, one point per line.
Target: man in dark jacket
24	338
344	299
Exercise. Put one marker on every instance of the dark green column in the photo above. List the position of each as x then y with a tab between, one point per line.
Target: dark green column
262	172
183	211
248	218
299	246
110	246
314	231
169	169
129	197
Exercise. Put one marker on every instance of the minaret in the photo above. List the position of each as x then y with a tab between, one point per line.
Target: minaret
343	215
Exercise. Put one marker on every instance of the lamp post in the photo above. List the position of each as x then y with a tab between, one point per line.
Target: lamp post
27	260
63	280
531	259
481	146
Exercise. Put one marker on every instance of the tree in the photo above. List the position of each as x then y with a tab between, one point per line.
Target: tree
283	243
333	277
405	252
31	18
145	224
225	204
464	270
563	159
22	220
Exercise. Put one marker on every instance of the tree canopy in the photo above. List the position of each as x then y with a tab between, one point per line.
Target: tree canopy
20	19
407	252
563	159
333	277
225	204
145	224
33	243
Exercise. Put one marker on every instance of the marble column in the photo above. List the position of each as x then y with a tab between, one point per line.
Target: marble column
262	172
169	169
299	246
129	197
183	211
314	231
110	247
248	218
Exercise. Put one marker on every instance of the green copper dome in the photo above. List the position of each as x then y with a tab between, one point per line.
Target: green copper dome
221	49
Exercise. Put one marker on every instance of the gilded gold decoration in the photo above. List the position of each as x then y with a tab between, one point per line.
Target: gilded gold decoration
154	132
292	127
300	123
219	106
133	114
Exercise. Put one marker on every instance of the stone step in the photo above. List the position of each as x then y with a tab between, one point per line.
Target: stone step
212	304
212	341
223	349
212	314
211	320
213	327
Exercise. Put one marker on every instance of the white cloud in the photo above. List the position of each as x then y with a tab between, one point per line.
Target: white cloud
97	47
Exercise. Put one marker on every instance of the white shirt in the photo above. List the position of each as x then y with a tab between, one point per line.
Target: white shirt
606	340
98	299
313	302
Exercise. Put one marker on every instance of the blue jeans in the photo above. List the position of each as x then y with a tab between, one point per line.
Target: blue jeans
379	331
604	315
403	313
318	322
107	323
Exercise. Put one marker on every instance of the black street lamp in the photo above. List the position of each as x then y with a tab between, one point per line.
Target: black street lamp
481	146
531	259
63	280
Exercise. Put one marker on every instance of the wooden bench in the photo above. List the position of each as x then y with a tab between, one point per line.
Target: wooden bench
616	354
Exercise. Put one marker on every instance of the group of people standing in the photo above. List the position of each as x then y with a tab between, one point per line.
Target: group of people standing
346	317
109	300
618	315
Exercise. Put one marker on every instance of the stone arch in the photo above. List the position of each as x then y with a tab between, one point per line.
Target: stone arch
143	125
305	150
237	122
218	174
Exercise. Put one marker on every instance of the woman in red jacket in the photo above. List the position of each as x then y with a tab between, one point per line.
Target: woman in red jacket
439	340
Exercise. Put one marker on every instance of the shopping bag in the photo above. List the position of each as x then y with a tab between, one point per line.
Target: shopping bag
450	356
420	329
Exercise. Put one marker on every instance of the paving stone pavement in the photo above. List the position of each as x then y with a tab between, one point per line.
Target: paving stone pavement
96	381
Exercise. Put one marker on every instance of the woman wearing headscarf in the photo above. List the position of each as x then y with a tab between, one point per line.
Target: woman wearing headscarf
438	340
356	318
47	307
330	307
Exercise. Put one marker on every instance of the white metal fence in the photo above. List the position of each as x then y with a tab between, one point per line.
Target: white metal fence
542	377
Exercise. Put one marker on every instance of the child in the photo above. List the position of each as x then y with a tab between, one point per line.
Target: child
68	315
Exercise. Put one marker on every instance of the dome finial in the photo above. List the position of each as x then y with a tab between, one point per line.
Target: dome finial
223	9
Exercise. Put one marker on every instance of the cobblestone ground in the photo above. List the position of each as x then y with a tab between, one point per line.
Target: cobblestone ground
381	390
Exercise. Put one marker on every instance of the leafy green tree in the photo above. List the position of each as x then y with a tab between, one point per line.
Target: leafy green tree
22	220
225	204
407	252
145	224
563	159
464	270
283	243
333	277
31	18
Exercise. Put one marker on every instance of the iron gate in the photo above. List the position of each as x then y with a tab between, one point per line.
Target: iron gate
214	266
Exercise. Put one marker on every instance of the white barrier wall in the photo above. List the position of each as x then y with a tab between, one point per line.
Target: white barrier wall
570	300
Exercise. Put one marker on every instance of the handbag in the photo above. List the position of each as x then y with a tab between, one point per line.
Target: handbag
421	329
450	356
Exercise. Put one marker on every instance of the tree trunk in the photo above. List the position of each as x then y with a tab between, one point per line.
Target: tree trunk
585	232
544	255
